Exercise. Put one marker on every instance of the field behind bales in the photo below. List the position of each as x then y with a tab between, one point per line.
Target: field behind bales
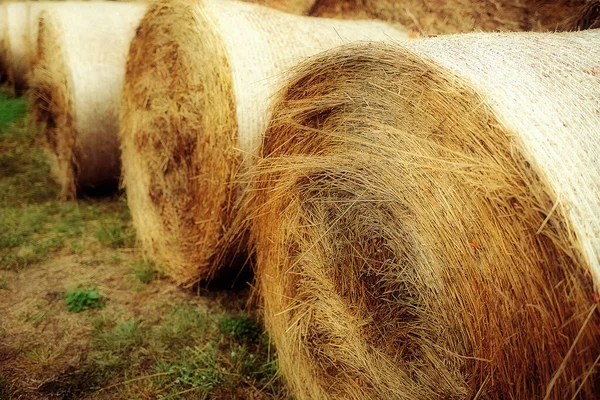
85	316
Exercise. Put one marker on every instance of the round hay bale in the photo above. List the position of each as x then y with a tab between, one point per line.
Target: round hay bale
588	17
298	7
199	81
16	49
455	16
20	40
76	86
3	24
426	220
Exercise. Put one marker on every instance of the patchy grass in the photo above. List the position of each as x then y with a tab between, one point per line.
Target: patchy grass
186	355
150	340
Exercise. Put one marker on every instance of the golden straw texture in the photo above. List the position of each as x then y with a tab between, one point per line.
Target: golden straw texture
588	17
454	16
425	220
199	82
76	88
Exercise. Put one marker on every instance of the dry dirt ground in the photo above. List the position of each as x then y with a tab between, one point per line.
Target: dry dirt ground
84	316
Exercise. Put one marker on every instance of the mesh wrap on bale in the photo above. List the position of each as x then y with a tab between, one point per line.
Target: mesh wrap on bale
76	86
199	81
426	219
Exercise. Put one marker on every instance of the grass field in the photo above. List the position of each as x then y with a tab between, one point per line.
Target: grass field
84	316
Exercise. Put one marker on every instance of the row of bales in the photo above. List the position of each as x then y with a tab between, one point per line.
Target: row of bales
421	213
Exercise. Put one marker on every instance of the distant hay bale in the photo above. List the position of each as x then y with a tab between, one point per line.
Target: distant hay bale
20	40
455	16
199	81
298	7
76	88
426	220
3	23
15	45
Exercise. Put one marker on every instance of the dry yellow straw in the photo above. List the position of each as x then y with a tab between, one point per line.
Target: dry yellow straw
426	220
454	16
76	88
199	82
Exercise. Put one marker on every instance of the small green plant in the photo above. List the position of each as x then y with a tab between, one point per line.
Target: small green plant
144	271
83	299
111	235
197	368
5	392
241	328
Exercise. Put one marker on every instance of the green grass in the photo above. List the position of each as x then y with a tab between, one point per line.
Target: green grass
189	354
11	108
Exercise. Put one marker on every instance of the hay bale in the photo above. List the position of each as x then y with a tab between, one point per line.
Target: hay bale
455	16
426	220
76	88
298	7
20	40
588	17
199	81
3	23
16	47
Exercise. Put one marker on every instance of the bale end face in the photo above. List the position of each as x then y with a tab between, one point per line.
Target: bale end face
397	237
178	170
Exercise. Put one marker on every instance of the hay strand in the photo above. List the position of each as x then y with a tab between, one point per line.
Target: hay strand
426	220
76	88
199	81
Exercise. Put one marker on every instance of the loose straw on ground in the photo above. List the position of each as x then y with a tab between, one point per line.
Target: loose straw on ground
76	88
199	81
425	220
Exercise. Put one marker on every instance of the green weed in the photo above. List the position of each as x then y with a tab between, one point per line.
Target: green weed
83	299
144	271
196	368
241	328
114	235
5	392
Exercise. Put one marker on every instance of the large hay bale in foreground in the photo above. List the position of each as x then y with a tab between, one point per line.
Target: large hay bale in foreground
199	81
454	16
426	220
76	86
